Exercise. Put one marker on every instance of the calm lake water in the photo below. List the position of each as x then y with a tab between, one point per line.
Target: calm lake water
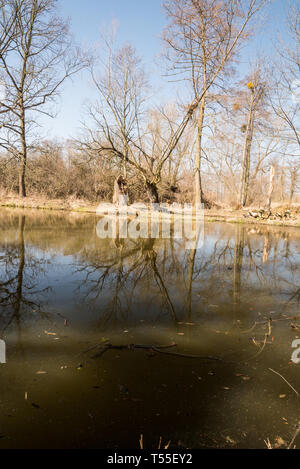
64	291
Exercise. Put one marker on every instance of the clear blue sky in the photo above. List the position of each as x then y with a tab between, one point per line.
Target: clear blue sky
140	23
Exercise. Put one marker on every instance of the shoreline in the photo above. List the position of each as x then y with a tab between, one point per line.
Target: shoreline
79	206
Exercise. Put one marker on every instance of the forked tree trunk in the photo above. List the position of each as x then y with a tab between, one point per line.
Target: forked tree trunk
152	192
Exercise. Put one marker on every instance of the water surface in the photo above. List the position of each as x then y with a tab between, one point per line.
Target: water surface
63	291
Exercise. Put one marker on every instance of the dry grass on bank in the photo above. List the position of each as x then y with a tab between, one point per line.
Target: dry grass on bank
72	204
43	203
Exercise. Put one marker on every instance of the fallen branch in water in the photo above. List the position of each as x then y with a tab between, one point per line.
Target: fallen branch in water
153	348
294	437
268	443
265	323
273	371
267	335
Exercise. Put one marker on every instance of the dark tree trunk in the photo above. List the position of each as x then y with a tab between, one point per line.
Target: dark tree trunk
152	192
199	197
245	176
22	171
23	159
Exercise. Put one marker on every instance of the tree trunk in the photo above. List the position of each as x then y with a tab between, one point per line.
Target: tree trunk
199	199
23	159
120	196
294	174
245	176
152	192
22	172
271	188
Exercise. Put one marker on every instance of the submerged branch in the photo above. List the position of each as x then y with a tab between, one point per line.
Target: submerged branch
154	348
276	372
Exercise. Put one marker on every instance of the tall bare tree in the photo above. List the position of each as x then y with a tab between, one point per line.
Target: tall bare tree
8	31
114	127
237	21
202	38
285	94
122	128
257	88
41	58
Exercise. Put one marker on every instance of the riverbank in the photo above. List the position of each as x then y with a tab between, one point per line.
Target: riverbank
40	203
83	206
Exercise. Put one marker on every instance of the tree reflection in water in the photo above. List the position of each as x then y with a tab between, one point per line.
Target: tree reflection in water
147	279
19	278
234	264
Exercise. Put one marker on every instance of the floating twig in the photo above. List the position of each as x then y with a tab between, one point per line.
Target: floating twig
153	348
273	371
268	443
294	437
267	335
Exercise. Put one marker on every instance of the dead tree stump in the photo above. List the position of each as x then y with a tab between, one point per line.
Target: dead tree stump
120	197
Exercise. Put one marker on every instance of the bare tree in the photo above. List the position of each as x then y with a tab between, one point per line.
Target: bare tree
224	149
122	87
123	129
202	38
285	93
257	88
8	31
162	124
41	59
237	20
